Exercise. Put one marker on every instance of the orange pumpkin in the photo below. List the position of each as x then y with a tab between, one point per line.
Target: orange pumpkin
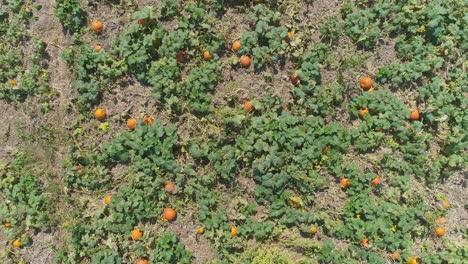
376	180
169	214
395	255
412	260
233	230
248	106
206	55
364	242
17	243
439	231
366	83
363	112
142	261
313	229
97	26
148	120
100	114
136	234
415	115
245	61
345	183
108	199
236	45
132	123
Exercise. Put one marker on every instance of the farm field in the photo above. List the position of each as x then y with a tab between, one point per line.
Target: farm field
248	131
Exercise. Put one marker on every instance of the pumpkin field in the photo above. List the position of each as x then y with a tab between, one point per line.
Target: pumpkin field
233	131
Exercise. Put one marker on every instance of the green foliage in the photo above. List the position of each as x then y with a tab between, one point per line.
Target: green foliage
148	52
266	42
24	204
264	256
192	92
22	72
331	29
168	249
273	171
71	14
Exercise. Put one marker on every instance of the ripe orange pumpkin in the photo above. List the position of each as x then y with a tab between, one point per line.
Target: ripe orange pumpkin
100	114
97	26
142	261
7	224
415	115
395	255
108	199
364	242
17	243
245	61
132	123
236	45
97	47
344	183
148	120
294	79
169	214
206	55
248	106
169	187
136	234
233	230
412	260
376	180
439	231
363	111
366	83
313	229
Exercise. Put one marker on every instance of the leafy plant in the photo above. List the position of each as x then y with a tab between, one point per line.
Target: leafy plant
71	14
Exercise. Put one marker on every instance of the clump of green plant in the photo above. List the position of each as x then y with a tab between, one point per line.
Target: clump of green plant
25	205
20	75
168	249
266	42
264	256
71	14
331	29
